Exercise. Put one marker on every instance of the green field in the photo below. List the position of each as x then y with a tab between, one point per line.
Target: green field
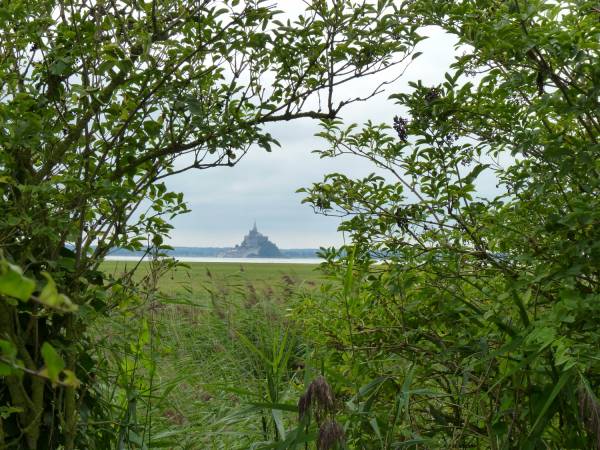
193	279
198	343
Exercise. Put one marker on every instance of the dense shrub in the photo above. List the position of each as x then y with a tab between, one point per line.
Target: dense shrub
479	329
98	100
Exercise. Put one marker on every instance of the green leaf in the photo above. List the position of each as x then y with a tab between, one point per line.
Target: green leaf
555	391
411	443
8	353
252	348
5	369
52	299
375	427
472	176
59	67
277	406
54	362
195	106
8	349
278	419
6	411
70	379
14	284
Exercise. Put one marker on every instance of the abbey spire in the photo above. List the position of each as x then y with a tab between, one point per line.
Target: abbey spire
254	245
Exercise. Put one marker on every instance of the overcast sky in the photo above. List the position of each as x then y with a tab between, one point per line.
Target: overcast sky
226	201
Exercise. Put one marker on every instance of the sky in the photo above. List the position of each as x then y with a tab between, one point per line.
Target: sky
225	201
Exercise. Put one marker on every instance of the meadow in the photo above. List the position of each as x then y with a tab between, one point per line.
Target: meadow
211	346
195	278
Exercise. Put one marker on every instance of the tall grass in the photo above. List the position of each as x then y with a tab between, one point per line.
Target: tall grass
210	365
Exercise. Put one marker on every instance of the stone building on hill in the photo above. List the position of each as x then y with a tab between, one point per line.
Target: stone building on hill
254	245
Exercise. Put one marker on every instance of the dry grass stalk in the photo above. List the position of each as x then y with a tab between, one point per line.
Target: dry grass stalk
251	296
589	411
318	395
330	435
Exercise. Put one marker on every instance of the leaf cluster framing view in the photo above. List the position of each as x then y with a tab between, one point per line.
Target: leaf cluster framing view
457	316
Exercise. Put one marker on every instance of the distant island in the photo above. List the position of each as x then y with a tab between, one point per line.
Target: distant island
254	245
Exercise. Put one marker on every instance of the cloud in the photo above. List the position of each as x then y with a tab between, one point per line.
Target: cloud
226	201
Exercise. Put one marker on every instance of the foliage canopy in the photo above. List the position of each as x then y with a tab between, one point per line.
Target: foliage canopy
99	102
480	328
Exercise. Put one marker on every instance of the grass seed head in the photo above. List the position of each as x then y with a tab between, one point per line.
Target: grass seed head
330	435
321	393
319	396
589	411
304	405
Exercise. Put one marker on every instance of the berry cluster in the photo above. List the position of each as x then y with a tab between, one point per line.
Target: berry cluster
400	125
432	95
451	138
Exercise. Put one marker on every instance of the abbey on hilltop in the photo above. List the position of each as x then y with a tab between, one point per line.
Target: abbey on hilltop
254	245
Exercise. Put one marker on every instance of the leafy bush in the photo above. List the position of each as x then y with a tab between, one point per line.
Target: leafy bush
98	100
479	327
